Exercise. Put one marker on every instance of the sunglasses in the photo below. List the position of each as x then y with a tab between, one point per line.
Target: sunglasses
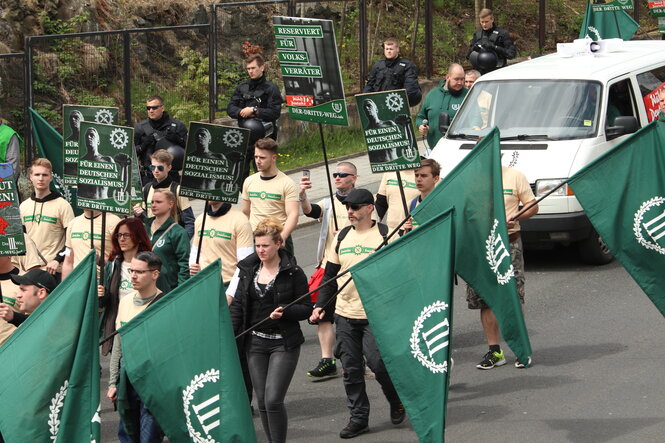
152	108
158	167
341	174
356	206
121	235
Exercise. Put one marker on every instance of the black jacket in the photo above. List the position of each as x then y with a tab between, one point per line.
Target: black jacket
398	73
290	284
144	140
260	93
495	39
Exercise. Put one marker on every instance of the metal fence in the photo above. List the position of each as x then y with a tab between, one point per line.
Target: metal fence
200	65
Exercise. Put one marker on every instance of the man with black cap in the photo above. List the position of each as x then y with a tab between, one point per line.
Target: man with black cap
355	342
34	287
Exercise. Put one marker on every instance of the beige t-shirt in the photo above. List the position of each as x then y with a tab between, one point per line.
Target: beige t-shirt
127	310
268	198
516	191
353	249
221	239
182	203
9	291
342	221
31	259
390	188
126	287
78	235
6	330
45	223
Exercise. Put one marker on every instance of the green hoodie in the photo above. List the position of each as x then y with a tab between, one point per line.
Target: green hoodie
438	100
173	249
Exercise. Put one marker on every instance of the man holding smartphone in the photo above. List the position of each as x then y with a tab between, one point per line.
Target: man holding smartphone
345	176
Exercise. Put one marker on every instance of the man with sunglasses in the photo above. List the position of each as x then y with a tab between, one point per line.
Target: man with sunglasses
345	181
355	341
160	167
159	131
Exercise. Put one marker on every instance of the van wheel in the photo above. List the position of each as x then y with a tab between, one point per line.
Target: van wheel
594	251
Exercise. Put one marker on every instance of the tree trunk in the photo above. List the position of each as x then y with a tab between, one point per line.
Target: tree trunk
414	37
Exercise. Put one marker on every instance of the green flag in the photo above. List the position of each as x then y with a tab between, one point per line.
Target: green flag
49	145
609	24
181	357
50	367
623	194
474	188
406	289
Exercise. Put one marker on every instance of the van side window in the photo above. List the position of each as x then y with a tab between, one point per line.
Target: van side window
650	83
620	102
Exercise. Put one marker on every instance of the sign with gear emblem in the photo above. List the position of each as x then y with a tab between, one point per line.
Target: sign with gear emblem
388	129
72	117
12	241
105	167
310	68
214	162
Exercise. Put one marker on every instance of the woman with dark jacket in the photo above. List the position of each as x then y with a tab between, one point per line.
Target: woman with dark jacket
128	239
269	279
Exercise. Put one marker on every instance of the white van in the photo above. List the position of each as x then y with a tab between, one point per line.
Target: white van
556	114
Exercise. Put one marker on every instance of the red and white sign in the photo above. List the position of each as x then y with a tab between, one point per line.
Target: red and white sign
651	102
657	4
300	100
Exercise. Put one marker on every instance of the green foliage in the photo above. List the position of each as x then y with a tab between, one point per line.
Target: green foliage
306	149
229	74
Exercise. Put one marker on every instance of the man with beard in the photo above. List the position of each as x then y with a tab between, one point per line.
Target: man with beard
447	97
159	131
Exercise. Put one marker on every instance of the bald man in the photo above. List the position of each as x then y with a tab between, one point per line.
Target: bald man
447	97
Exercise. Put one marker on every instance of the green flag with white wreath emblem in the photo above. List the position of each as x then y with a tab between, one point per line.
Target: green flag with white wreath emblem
482	255
406	291
623	194
181	357
50	367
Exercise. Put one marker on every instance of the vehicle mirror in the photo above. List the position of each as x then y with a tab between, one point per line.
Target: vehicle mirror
623	124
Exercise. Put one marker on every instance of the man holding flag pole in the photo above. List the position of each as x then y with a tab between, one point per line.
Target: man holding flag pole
355	341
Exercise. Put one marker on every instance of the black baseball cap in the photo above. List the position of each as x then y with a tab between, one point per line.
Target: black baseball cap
36	277
359	197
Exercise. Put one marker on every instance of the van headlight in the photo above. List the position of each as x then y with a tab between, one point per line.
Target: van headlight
545	186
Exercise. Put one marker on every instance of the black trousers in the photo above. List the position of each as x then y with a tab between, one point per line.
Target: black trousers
355	341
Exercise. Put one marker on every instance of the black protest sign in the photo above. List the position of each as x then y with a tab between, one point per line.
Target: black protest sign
214	162
105	167
388	130
72	116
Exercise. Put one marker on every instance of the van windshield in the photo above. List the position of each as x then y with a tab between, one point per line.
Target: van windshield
530	110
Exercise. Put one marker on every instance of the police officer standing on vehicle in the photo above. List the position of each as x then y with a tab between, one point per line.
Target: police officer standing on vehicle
394	72
256	104
159	131
491	47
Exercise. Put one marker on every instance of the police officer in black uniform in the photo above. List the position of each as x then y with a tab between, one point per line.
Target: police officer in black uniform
491	47
256	103
159	131
394	72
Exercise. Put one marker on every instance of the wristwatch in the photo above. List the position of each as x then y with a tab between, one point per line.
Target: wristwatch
256	110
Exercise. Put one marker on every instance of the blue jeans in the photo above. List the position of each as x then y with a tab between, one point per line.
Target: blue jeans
271	367
150	431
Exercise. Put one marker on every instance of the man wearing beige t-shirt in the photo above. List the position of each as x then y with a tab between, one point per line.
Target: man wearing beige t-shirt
355	341
270	192
516	192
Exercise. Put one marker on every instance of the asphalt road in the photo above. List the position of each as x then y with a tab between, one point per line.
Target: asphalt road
597	374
